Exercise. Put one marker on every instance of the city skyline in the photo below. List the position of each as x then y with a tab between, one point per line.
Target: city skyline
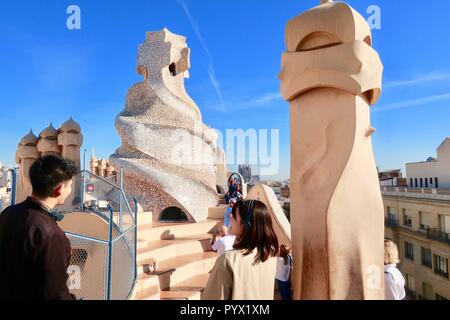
53	73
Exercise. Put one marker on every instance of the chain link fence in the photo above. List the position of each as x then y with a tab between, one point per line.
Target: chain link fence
102	234
102	230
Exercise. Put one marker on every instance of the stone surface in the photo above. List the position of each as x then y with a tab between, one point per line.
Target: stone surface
330	77
167	154
65	141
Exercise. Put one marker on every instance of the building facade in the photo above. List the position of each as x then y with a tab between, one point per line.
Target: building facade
418	221
432	173
246	172
391	178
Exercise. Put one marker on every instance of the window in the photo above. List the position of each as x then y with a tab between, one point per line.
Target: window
441	266
444	223
427	291
421	182
407	219
409	250
411	182
425	220
426	257
392	216
431	181
416	185
410	285
439	297
426	182
436	183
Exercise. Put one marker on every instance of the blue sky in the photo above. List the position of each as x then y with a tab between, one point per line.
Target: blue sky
49	73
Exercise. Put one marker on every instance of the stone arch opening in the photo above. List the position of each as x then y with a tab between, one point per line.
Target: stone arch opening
219	189
173	69
237	176
173	214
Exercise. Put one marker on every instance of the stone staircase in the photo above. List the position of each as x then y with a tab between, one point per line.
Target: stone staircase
182	255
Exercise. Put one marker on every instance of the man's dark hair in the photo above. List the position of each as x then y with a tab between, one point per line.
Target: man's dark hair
48	172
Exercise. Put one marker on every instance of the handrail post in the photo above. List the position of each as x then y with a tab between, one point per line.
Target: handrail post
110	255
135	235
120	199
83	181
13	186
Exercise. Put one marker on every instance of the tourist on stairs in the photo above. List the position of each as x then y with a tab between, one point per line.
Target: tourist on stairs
248	271
226	218
231	190
224	242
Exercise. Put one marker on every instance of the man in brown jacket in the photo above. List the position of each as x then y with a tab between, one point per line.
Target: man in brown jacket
34	251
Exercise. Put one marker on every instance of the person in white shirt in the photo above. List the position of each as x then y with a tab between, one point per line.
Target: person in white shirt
283	274
394	282
225	242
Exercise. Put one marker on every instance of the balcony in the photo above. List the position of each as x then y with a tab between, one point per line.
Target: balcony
436	234
410	294
422	193
390	222
426	231
441	273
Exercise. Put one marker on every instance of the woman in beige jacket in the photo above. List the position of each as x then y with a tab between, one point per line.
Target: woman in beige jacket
248	271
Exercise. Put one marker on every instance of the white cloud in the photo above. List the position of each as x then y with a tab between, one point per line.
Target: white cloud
261	101
211	69
413	102
430	77
264	99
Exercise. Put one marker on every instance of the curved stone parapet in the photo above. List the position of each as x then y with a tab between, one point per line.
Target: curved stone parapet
281	224
167	154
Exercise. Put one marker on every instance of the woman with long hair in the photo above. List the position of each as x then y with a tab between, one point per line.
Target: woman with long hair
248	271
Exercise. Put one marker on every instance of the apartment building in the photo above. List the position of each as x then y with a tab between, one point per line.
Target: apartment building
418	221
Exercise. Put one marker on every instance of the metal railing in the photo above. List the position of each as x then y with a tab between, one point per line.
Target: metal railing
100	269
390	222
430	233
115	256
423	192
411	293
436	234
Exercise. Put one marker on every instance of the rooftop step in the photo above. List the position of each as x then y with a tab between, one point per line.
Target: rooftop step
159	250
180	295
172	272
217	212
170	231
195	283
